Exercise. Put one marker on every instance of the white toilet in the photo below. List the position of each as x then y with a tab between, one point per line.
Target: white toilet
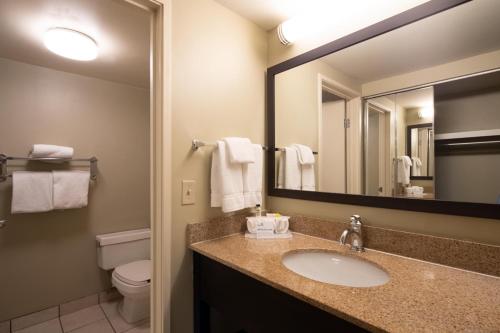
127	252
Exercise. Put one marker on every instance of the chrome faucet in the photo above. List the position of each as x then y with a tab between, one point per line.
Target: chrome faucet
356	234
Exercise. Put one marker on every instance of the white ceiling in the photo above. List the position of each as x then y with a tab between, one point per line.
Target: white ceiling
418	98
464	31
120	29
268	14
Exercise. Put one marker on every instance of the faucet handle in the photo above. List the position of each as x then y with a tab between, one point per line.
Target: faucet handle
355	218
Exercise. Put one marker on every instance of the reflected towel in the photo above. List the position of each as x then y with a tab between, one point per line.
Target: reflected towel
404	164
31	192
304	153
71	189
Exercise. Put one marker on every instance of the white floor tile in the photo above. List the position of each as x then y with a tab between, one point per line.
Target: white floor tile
119	324
78	304
51	326
142	328
101	326
81	318
5	326
35	318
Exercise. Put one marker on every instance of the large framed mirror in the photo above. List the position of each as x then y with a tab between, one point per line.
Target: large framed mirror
403	114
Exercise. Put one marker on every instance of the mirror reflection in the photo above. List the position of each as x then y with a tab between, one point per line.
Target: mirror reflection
398	115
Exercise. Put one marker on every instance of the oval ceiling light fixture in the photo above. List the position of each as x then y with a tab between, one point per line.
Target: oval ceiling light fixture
288	32
70	44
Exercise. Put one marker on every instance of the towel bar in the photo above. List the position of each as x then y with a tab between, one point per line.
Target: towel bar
4	159
196	144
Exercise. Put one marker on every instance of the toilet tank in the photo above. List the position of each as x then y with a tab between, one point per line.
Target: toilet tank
122	247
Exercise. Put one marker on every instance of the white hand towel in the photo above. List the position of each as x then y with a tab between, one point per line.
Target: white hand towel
71	189
292	169
252	178
226	180
308	179
404	164
417	166
31	192
240	150
305	154
40	150
281	170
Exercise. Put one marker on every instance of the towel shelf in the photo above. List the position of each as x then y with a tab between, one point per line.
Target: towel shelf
4	159
196	144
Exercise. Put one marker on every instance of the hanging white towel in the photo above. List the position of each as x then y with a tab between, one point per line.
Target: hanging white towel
281	170
308	179
31	192
252	178
226	180
240	150
41	150
305	154
417	166
293	174
71	189
404	164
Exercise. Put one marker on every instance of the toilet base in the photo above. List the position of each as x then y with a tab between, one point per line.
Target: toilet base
133	310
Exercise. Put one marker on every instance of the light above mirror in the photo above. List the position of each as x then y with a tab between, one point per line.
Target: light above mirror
71	44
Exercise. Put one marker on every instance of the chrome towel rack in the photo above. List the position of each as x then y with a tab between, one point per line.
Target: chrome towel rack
196	144
4	175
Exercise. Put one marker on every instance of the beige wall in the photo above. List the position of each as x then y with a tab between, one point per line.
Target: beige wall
482	230
50	258
297	102
219	63
482	62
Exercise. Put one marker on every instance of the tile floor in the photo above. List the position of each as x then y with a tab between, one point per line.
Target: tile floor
100	318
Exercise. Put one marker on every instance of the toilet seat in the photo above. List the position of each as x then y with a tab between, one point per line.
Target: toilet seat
136	273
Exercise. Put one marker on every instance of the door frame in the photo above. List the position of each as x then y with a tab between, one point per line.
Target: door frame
160	152
340	90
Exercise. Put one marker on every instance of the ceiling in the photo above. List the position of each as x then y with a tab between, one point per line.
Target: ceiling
464	31
268	14
120	30
418	98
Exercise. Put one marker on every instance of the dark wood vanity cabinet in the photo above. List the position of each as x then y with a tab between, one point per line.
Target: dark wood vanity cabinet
227	301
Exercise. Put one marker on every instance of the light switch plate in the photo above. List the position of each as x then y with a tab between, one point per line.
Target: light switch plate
188	192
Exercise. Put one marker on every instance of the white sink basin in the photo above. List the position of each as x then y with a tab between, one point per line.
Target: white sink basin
335	268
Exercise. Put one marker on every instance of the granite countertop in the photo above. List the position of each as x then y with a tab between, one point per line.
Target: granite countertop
420	296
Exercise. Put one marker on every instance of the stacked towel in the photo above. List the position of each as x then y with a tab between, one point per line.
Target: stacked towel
44	191
236	175
31	192
41	150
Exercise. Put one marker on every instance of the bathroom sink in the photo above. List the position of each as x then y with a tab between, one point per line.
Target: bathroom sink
335	268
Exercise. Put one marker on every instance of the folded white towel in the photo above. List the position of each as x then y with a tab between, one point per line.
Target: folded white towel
240	150
252	178
226	180
41	150
305	154
31	192
404	164
71	189
292	169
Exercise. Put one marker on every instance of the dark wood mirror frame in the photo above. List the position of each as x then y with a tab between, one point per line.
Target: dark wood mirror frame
408	147
441	207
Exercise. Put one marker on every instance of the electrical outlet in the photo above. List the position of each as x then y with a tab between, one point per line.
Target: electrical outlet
188	192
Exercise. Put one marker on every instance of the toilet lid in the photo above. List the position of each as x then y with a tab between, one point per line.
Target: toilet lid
137	273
